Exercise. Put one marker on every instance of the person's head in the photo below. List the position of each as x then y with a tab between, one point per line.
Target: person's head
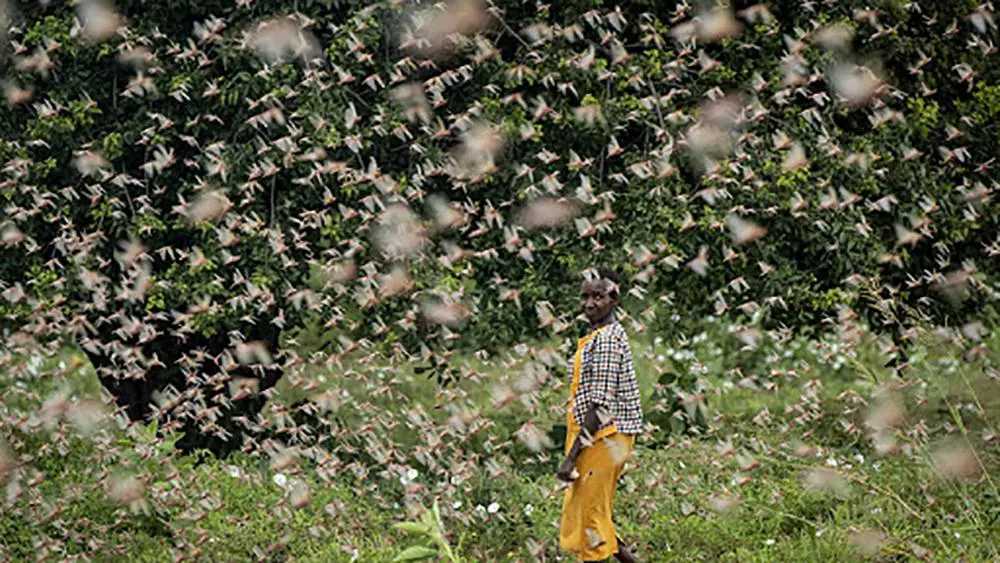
599	294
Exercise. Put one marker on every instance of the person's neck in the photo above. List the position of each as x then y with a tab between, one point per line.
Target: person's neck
608	319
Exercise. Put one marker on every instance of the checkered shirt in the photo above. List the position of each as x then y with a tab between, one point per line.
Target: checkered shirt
607	379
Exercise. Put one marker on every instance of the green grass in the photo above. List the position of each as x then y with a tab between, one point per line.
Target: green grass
670	502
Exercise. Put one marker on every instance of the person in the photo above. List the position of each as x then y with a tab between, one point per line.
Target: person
603	417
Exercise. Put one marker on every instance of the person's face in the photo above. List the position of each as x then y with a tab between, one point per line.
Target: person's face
596	300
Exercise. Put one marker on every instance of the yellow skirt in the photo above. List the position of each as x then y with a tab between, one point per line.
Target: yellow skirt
586	528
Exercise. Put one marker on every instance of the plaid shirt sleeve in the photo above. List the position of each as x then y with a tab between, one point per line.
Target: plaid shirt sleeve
608	381
628	409
600	371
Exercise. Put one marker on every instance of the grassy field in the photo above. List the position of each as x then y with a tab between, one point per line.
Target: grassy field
813	452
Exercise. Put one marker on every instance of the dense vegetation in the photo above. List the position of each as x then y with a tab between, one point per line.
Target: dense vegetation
814	452
186	183
351	233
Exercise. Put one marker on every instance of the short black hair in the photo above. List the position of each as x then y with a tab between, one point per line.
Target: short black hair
604	273
607	273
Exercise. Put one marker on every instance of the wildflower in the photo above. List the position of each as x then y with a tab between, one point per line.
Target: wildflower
280	479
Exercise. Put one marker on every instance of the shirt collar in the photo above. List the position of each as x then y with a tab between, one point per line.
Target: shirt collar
587	329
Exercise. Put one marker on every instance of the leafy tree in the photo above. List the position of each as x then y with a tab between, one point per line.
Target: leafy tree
194	190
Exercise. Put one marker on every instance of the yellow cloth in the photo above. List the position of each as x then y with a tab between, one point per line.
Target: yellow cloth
586	528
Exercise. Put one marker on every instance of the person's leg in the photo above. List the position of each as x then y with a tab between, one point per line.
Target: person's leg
624	554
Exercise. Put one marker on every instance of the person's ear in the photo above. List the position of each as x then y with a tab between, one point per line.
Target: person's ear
613	292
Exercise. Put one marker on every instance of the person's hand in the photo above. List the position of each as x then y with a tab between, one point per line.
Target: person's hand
567	471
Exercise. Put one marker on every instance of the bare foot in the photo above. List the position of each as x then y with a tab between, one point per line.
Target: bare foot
624	555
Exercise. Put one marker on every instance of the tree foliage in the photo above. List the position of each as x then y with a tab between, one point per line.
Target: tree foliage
185	182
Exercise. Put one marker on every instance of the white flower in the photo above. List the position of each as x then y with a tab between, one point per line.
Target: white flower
831	461
769	542
456	480
480	508
456	505
528	509
280	479
493	508
408	477
234	471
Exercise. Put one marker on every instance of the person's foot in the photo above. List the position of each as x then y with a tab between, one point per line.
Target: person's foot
624	555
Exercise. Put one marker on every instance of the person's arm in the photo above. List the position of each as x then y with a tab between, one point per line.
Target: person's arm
591	423
605	363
